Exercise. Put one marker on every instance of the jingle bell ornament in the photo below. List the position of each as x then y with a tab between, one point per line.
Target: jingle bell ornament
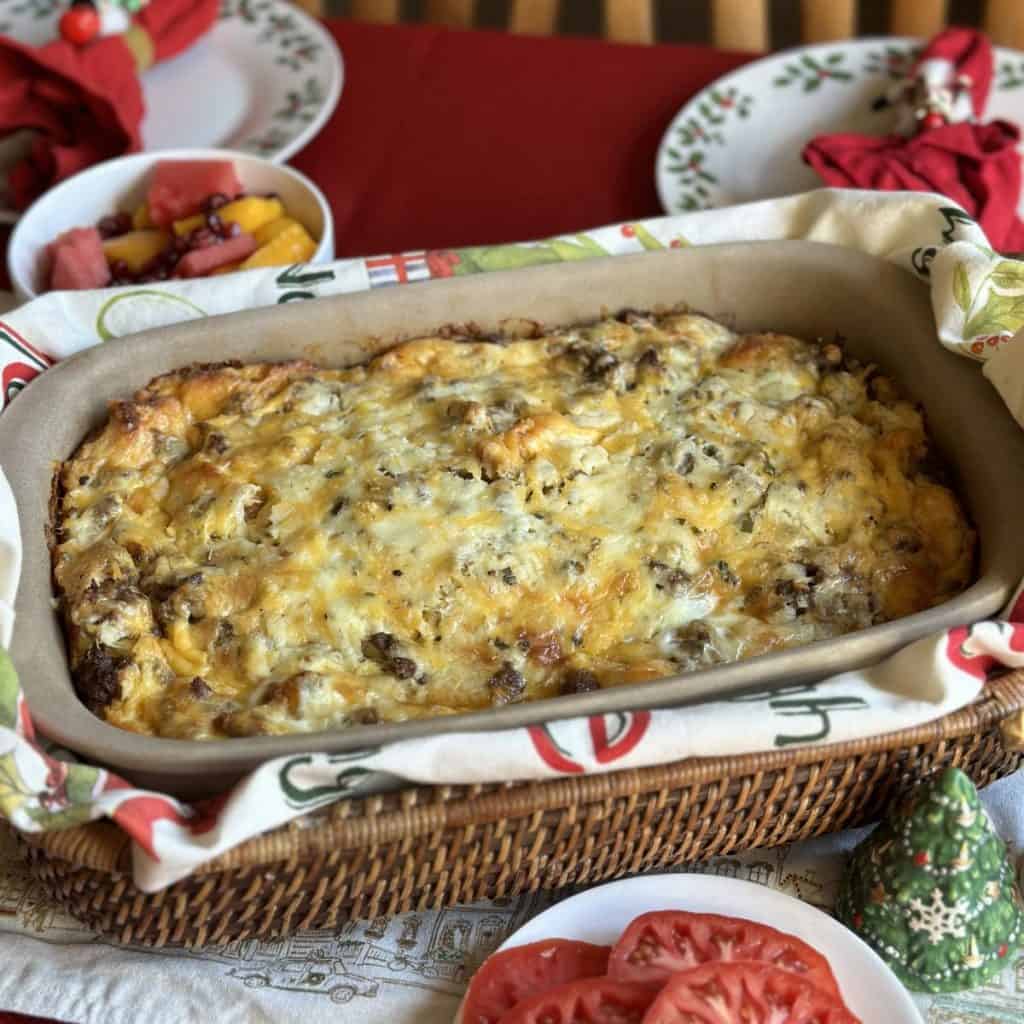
80	24
87	20
933	891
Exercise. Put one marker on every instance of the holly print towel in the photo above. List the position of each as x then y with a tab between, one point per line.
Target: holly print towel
978	299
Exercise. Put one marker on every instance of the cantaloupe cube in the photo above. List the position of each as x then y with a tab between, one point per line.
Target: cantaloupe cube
273	229
249	213
292	245
136	248
141	218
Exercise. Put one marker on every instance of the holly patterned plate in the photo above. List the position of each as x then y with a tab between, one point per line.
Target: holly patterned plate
263	80
740	138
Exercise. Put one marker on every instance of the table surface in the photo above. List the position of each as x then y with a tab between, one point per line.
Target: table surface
448	138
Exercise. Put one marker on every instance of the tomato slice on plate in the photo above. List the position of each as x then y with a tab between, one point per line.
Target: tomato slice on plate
744	993
656	945
588	1001
509	977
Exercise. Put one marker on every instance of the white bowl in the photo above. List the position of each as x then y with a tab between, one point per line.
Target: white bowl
120	185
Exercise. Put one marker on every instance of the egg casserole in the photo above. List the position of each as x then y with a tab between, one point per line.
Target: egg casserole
461	523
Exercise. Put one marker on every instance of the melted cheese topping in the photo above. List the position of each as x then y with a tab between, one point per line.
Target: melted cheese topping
460	524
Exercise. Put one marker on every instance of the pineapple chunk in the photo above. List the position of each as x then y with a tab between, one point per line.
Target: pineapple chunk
291	245
141	218
273	229
136	248
187	225
249	213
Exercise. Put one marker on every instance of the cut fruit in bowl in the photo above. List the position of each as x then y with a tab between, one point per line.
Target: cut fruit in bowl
172	214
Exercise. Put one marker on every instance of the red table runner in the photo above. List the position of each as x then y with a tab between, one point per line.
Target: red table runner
446	138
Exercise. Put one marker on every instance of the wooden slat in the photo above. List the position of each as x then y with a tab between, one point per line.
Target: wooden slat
457	13
1004	22
629	21
533	17
739	24
824	20
382	11
922	18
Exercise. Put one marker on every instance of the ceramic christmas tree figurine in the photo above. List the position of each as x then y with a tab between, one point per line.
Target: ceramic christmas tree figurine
932	890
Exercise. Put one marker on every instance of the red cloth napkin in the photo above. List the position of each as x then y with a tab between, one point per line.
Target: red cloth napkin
975	165
86	102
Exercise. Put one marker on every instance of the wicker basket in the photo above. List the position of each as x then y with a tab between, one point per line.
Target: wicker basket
427	847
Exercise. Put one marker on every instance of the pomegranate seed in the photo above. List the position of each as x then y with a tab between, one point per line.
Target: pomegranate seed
214	202
114	225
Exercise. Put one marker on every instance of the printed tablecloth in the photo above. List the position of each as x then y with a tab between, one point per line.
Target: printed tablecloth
408	969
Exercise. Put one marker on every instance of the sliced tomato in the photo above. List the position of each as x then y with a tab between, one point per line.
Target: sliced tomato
655	946
516	974
744	993
588	1001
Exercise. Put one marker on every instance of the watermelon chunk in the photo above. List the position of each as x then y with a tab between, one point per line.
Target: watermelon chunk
198	262
77	260
179	187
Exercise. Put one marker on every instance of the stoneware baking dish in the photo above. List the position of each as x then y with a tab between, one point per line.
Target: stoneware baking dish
802	288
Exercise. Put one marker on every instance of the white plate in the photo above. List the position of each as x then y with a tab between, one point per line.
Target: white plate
601	914
740	138
263	80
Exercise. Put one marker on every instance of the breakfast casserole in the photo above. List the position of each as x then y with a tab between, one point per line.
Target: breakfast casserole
462	523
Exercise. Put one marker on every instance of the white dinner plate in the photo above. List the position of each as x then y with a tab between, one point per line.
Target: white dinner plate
263	80
740	139
601	914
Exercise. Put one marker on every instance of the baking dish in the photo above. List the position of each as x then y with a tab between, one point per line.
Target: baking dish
801	288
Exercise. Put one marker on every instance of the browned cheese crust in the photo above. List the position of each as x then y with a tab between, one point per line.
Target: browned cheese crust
459	524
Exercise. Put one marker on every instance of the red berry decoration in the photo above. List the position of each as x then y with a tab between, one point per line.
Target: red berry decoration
922	858
628	231
80	24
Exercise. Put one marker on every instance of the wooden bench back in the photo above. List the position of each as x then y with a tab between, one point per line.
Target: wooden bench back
735	24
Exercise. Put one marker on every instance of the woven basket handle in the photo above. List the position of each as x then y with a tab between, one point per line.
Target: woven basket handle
1012	729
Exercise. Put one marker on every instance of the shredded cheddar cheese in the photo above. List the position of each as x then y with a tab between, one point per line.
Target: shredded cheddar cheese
461	524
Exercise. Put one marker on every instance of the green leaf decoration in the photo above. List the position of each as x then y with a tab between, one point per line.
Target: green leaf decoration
571	251
646	239
8	691
588	243
66	817
1001	314
1008	274
81	783
507	257
962	288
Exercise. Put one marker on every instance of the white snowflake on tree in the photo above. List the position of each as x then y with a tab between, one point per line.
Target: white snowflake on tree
937	919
